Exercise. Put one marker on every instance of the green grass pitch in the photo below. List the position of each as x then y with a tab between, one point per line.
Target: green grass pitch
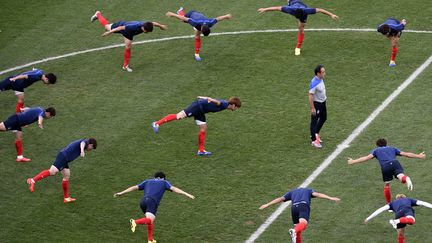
260	151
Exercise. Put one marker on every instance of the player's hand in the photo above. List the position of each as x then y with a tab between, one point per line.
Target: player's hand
190	196
117	195
365	222
335	199
350	161
228	16
40	125
422	155
106	33
334	17
404	21
82	154
163	27
313	112
263	206
261	10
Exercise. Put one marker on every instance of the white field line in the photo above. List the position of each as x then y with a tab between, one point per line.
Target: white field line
190	36
342	146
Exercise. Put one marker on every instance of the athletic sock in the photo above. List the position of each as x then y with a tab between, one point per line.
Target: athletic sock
19	149
387	193
401	238
18	107
201	140
197	45
407	220
101	19
299	237
300	38
143	221
404	179
65	186
394	52
127	56
150	228
43	174
166	119
300	227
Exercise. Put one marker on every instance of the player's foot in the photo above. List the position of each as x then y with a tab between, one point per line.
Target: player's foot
69	199
180	11
316	144
152	241
94	17
133	225
393	223
127	68
204	153
31	184
297	51
293	235
22	159
409	183
197	58
317	136
155	127
392	64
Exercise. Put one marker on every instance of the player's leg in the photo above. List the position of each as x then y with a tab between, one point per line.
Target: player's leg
104	22
313	128
19	147
387	191
295	215
197	39
149	208
394	40
168	118
401	235
127	54
65	185
20	101
304	214
202	137
300	37
43	174
399	173
322	114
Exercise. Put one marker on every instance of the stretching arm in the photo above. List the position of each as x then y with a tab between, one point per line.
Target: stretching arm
274	201
114	30
40	122
180	191
130	189
223	17
19	77
161	26
424	204
182	18
215	101
360	160
263	10
322	195
82	147
333	16
378	211
421	155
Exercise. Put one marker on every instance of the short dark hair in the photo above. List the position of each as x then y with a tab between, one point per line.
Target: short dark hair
298	13
381	142
51	78
235	101
159	174
384	29
318	69
51	110
93	142
148	26
205	29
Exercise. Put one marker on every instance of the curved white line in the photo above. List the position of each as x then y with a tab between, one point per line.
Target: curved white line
191	36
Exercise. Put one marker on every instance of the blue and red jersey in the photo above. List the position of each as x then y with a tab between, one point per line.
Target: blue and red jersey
402	204
297	4
132	28
385	154
299	195
20	84
197	20
31	115
73	150
395	26
207	107
155	188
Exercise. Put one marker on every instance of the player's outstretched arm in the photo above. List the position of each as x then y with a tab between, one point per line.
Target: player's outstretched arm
333	16
82	147
360	160
19	77
223	17
40	122
425	204
130	189
182	18
161	26
421	155
274	201
322	195
378	211
263	10
114	30
180	191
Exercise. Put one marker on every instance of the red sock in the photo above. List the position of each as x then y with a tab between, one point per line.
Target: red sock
197	45
18	107
403	179
407	220
101	19
150	228
65	186
18	146
300	227
401	238
166	119
201	140
299	237
41	175
394	52
387	193
143	221
300	38
127	56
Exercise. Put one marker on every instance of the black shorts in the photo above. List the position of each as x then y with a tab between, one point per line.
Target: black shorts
61	162
301	210
12	123
148	205
6	84
403	213
195	110
124	33
390	170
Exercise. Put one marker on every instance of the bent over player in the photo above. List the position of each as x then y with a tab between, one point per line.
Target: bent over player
15	123
300	208
404	213
390	166
392	29
200	23
300	11
128	30
64	157
154	190
198	109
19	82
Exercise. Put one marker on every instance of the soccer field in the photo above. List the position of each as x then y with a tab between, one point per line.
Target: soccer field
260	151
